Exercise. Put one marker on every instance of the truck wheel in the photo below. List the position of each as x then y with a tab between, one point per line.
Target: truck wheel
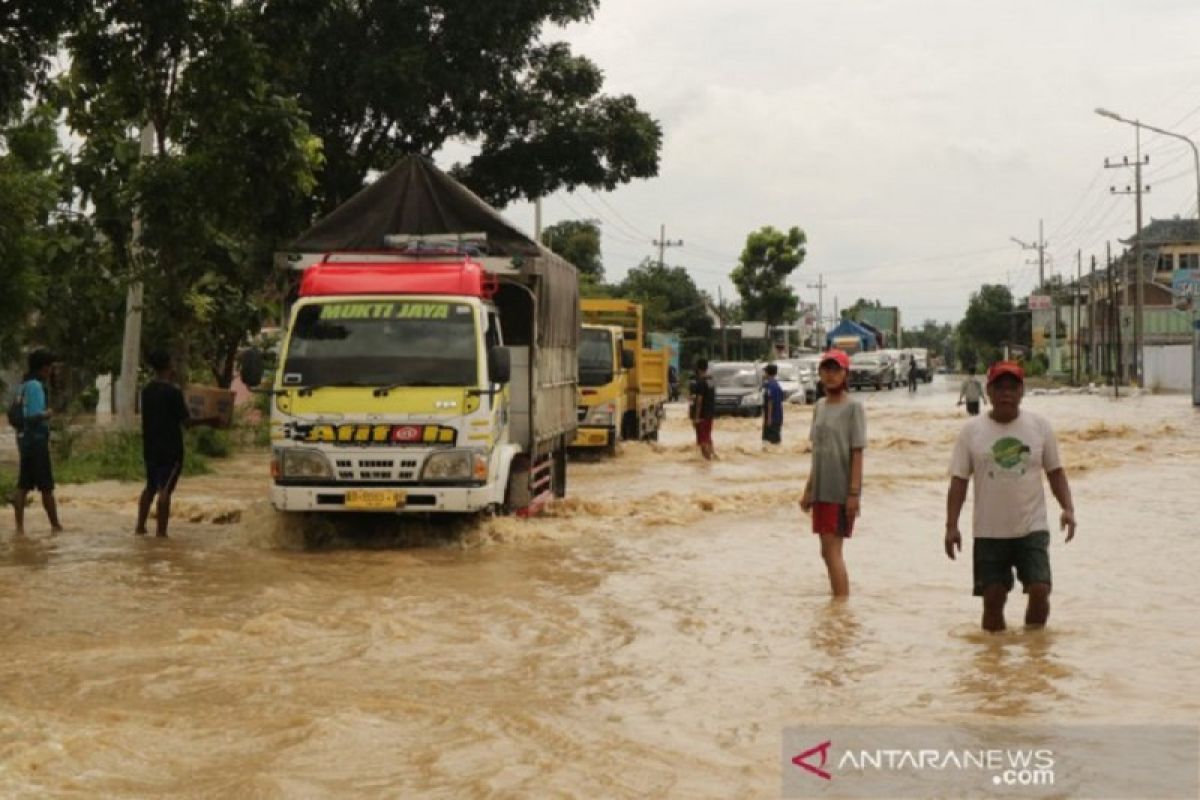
610	449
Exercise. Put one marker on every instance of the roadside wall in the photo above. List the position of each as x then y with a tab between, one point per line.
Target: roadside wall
1169	367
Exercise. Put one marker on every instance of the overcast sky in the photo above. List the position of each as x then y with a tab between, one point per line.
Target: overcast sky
909	139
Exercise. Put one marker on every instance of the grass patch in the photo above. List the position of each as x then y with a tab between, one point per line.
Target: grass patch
114	455
117	455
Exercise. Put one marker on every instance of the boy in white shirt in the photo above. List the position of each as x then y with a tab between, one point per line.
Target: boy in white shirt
1006	452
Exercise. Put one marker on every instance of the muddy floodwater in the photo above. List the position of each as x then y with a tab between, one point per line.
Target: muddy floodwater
650	636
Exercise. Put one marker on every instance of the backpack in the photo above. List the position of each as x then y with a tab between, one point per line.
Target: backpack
16	411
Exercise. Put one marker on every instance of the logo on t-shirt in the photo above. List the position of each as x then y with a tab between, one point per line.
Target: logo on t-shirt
1011	456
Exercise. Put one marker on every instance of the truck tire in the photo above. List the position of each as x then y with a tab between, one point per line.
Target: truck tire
610	449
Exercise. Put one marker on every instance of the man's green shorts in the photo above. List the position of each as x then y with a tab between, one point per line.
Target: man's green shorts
995	560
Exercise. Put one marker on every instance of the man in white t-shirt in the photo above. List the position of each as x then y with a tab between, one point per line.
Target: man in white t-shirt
1006	452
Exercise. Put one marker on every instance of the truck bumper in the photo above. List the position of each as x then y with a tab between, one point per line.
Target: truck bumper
594	437
413	500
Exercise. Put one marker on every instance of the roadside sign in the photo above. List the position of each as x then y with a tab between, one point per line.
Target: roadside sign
1039	302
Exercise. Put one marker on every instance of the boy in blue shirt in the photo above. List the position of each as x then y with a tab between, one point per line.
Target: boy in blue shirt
772	408
33	442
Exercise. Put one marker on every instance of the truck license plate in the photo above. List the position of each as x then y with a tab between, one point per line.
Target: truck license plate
375	499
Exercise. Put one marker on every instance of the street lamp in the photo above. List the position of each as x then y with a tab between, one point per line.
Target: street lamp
1104	112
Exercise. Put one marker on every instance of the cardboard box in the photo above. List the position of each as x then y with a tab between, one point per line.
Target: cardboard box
205	402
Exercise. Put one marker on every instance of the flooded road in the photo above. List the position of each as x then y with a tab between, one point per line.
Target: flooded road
651	636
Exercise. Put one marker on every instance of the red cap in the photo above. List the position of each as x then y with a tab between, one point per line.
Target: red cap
1001	368
841	358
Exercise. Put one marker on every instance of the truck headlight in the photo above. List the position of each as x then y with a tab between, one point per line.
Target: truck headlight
750	399
300	463
456	465
600	415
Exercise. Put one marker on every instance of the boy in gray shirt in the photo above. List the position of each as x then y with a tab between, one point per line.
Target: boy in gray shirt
839	436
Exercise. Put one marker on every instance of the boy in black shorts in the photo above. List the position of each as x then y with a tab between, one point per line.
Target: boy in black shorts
164	416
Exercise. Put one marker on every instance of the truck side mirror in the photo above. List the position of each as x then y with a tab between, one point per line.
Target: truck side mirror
499	365
627	359
251	371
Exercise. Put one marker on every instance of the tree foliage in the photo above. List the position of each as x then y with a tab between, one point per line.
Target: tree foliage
852	311
770	256
672	302
578	241
987	323
29	31
231	169
382	78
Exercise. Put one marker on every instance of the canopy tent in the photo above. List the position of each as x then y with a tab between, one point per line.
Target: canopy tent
867	339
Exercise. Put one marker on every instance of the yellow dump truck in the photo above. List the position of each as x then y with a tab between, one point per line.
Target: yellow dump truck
623	384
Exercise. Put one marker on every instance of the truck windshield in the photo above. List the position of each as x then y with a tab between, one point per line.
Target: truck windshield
383	343
595	357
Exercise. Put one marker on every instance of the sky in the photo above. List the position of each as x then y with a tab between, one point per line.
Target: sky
909	139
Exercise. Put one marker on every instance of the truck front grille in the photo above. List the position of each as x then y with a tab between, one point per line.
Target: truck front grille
376	469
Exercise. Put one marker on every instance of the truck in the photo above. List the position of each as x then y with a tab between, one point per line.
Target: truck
435	374
623	385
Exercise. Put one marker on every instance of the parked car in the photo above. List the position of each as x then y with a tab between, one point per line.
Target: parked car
807	365
872	369
792	379
739	388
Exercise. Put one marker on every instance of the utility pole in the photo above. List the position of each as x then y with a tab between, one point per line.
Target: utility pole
131	341
820	287
1138	162
1091	317
1077	349
1041	251
721	314
537	220
1115	312
662	243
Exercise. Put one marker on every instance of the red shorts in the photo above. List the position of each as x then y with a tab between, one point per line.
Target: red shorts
703	431
832	518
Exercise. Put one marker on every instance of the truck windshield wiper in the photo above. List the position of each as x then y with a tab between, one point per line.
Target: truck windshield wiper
384	390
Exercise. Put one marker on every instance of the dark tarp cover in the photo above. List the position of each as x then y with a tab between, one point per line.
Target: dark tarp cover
416	198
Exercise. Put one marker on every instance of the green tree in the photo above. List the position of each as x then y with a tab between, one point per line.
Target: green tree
987	324
382	78
672	302
29	190
578	241
29	32
933	336
769	257
231	171
852	310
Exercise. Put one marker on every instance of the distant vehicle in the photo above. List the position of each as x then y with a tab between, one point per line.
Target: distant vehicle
739	388
789	379
623	385
871	369
805	375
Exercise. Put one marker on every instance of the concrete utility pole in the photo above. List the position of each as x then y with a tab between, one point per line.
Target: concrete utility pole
820	287
662	243
131	341
1091	318
1137	367
537	220
1041	251
721	313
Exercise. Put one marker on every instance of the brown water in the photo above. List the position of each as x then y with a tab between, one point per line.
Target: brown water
650	637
